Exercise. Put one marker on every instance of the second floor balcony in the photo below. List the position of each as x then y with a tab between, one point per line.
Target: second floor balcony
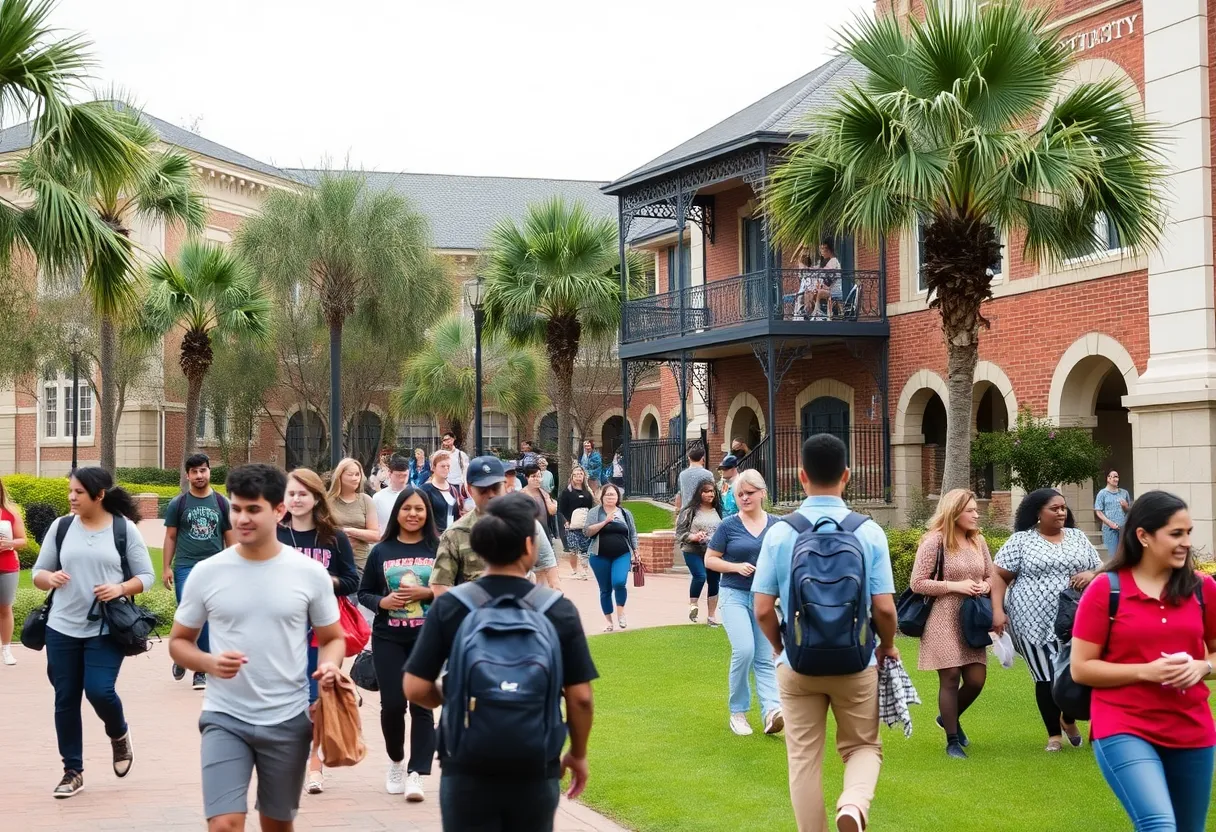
780	302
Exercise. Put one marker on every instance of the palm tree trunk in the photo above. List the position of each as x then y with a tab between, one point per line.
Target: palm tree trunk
109	395
962	353
563	388
335	393
194	399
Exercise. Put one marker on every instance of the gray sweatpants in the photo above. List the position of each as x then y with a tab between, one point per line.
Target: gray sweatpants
232	749
8	588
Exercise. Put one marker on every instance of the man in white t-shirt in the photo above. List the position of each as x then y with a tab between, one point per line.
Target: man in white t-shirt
460	461
259	599
398	477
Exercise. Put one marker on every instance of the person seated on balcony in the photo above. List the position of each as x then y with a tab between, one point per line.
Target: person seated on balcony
808	287
828	286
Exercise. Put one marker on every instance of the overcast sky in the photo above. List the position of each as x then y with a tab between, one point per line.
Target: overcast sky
582	89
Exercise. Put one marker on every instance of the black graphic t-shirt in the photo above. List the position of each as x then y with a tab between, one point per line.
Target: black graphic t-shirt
335	555
390	566
200	527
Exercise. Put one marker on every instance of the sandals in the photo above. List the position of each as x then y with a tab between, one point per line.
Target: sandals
1054	744
316	782
608	629
1074	736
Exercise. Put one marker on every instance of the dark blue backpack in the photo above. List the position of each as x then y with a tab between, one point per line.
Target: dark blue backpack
502	695
827	628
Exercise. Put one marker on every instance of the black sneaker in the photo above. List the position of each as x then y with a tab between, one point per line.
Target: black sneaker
72	782
179	672
956	751
200	681
962	735
123	757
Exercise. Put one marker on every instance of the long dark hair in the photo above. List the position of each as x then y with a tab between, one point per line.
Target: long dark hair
430	537
694	505
1151	512
94	480
1028	512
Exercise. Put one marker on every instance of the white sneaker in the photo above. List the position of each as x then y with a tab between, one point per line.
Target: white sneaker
848	819
774	722
394	781
413	788
692	613
738	724
7	655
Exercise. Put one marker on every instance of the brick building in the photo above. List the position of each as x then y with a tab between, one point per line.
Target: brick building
1123	345
35	415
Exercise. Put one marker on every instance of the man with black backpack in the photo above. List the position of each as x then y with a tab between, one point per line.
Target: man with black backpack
832	571
514	651
196	527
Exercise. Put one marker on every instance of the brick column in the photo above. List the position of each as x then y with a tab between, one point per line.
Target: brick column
657	550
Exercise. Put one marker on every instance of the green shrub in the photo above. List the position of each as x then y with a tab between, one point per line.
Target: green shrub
1039	454
27	599
27	555
148	476
158	600
903	544
38	519
25	489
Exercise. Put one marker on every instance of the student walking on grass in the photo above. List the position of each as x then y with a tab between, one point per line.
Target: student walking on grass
396	584
309	527
823	665
85	571
1152	728
196	528
953	543
260	599
11	541
695	525
733	551
614	544
502	765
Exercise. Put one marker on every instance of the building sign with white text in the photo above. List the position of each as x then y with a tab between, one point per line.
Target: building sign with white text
1107	32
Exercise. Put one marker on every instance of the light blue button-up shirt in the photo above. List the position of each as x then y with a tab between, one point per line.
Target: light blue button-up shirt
772	576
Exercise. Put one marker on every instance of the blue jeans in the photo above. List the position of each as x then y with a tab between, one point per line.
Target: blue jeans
1161	789
86	666
1110	539
611	574
749	651
312	668
696	568
180	574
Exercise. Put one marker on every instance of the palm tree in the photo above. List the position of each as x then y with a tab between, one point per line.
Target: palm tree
959	127
440	379
356	250
550	283
213	295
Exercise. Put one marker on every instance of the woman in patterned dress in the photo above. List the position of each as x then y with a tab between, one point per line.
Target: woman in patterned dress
1045	555
954	532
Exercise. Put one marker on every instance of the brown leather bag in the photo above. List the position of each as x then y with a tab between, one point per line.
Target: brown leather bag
337	730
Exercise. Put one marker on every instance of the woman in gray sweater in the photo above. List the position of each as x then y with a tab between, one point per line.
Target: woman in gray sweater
695	527
614	545
81	657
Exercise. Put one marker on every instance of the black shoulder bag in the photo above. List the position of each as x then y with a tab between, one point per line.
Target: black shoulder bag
33	630
912	608
131	625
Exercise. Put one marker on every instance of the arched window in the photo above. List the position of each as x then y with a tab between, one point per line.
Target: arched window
827	414
305	439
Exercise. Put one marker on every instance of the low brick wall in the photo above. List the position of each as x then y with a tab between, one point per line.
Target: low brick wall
147	505
657	550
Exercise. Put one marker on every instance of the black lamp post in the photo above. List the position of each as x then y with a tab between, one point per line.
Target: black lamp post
474	294
74	344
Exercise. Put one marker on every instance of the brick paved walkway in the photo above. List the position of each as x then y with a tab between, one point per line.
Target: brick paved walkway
162	792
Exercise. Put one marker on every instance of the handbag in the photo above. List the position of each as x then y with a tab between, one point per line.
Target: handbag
912	608
337	730
578	520
354	626
363	672
33	631
639	572
976	619
131	625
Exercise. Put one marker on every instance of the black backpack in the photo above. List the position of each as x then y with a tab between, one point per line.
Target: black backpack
1072	697
131	626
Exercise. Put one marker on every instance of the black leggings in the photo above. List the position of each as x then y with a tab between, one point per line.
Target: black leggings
1049	710
952	700
388	658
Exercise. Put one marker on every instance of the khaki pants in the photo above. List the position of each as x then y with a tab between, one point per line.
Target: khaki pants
804	704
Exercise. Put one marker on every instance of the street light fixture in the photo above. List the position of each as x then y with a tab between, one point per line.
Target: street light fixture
474	295
75	341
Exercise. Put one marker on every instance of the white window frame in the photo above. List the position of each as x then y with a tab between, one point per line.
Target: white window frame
490	434
1102	230
409	440
213	430
56	422
918	249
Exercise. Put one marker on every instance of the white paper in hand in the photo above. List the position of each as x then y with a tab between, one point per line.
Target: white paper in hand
1002	645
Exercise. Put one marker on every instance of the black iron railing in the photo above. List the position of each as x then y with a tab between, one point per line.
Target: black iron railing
782	294
867	475
654	465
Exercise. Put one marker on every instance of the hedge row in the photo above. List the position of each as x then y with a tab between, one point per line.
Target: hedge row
166	476
158	599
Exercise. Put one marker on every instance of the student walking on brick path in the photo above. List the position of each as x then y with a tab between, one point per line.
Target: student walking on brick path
954	541
398	479
593	463
196	527
309	527
88	570
695	526
814	672
446	502
353	510
613	548
732	552
1152	728
1045	555
260	599
690	479
396	584
502	767
573	504
10	570
546	508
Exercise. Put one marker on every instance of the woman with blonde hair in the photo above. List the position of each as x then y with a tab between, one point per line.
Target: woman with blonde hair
420	468
573	504
954	541
353	510
12	538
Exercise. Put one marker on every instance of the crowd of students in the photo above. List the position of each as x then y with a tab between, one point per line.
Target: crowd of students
259	626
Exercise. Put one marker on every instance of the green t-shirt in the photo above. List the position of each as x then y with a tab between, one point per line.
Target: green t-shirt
200	533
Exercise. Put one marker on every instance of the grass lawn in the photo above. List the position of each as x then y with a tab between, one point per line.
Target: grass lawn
663	758
24	582
650	517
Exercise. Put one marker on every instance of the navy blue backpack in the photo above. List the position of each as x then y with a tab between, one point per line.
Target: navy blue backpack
502	694
827	628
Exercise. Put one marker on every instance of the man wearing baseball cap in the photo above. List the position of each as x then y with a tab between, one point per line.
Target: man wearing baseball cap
729	468
456	562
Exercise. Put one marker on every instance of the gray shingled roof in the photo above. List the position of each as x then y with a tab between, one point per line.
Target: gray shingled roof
463	209
778	116
19	136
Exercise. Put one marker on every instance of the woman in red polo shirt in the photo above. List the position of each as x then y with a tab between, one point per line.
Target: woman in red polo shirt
1152	729
12	538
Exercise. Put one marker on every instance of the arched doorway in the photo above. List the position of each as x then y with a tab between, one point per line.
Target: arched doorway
1114	430
363	437
746	426
991	416
933	426
305	439
650	427
610	436
826	414
547	433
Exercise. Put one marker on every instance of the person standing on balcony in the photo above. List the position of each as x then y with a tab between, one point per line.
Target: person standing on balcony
729	469
694	528
593	464
828	285
1111	505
